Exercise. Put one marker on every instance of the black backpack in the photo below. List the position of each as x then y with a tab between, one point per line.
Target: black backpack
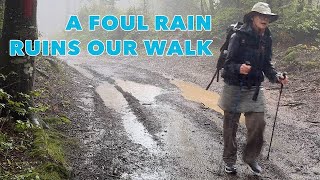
224	51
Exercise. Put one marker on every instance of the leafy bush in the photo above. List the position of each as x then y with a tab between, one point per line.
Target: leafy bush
223	19
298	27
301	57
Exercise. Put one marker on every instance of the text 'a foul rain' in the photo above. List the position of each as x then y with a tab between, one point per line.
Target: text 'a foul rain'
132	22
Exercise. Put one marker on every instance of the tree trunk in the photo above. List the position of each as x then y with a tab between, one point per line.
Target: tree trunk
211	6
205	7
269	2
228	3
300	5
238	3
145	7
112	4
202	7
280	5
1	14
19	23
67	8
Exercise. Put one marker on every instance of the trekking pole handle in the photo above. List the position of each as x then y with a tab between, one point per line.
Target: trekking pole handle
283	76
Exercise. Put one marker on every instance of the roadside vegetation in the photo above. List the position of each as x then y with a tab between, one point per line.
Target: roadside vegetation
30	151
33	149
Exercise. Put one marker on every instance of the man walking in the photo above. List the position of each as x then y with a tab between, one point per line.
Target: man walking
248	61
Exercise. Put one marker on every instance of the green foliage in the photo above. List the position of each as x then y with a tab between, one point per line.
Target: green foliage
249	3
48	144
3	137
36	143
4	143
20	104
28	174
30	142
291	58
11	103
37	92
298	23
222	20
57	120
293	26
312	64
17	107
38	108
1	15
47	171
21	126
4	95
2	77
301	57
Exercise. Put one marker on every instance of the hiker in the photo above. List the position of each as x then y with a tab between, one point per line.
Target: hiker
248	60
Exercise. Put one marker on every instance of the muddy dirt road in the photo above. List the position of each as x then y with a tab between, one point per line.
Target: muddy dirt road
152	119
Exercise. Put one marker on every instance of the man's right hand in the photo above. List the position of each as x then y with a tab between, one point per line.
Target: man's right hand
245	69
282	78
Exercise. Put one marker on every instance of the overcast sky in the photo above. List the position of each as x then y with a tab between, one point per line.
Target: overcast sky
52	15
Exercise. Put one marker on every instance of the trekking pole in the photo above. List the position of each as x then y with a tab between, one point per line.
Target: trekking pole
275	119
214	76
219	66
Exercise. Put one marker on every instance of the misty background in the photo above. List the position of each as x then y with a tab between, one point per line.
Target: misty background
53	15
298	22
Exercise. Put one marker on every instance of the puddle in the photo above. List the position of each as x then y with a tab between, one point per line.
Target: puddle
143	92
113	99
150	176
198	94
75	63
137	133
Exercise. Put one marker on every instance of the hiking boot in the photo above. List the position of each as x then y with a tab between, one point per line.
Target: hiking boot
255	168
230	169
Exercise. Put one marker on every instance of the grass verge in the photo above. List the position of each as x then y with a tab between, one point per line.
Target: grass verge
30	152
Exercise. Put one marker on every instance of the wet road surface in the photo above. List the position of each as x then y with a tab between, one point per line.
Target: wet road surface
173	127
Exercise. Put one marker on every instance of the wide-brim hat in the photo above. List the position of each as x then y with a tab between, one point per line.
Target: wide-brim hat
261	8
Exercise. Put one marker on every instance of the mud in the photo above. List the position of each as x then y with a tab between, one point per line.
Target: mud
152	119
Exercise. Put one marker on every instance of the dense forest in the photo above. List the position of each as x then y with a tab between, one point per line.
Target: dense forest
298	23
